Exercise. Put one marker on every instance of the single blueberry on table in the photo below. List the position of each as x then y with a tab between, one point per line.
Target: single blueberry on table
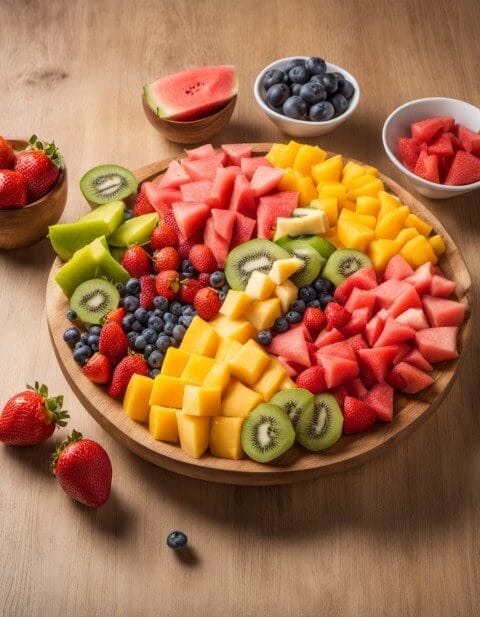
264	337
295	108
177	540
72	336
71	315
321	112
277	95
132	286
280	325
274	76
299	74
160	302
313	92
316	65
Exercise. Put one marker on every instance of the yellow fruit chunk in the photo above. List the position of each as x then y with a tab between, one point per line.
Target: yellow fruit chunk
306	157
235	304
270	381
346	204
390	225
282	269
371	189
437	244
332	237
364	219
354	182
226	437
259	286
380	252
329	170
262	314
367	205
194	433
227	348
238	400
286	384
332	189
420	225
200	401
418	251
287	292
283	155
163	423
200	338
289	180
314	223
388	203
197	369
218	376
354	235
167	391
306	191
249	362
373	171
239	329
329	205
175	361
404	236
137	396
352	170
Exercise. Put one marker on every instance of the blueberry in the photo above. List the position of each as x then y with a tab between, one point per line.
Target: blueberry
137	326
132	286
95	330
324	299
187	267
71	315
158	313
131	338
330	82
322	285
338	75
163	343
173	342
122	289
176	308
148	350
127	322
277	95
222	295
217	279
170	317
71	336
160	302
295	89
141	315
150	335
280	325
295	107
313	92
79	344
298	306
346	88
185	320
168	328
155	359
292	63
93	342
299	74
156	323
293	317
307	293
188	310
317	78
154	372
177	540
140	343
178	332
264	337
188	275
340	104
316	65
321	112
84	338
272	77
81	354
130	303
314	303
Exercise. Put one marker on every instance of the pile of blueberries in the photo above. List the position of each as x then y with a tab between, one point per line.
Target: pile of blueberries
316	295
304	90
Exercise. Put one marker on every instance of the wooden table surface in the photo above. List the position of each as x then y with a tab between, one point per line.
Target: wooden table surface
397	536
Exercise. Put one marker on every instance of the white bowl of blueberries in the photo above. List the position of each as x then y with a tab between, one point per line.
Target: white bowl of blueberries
306	96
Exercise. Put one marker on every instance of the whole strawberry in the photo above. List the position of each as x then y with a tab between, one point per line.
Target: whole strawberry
147	291
170	220
13	189
166	259
116	315
312	379
113	342
131	365
40	166
184	248
136	261
337	316
163	235
30	417
314	319
207	303
188	290
7	155
83	469
204	278
98	369
202	258
142	205
167	284
357	416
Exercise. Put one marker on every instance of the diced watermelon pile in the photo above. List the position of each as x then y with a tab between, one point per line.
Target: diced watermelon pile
441	151
398	328
221	198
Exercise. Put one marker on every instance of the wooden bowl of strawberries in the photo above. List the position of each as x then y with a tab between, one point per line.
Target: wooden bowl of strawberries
33	190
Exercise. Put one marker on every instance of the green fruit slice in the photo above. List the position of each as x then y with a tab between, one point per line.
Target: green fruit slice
135	231
294	402
320	426
312	259
253	255
93	299
267	433
106	183
343	263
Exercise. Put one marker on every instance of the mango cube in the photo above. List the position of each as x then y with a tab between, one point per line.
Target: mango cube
218	376
194	433
163	423
235	304
329	205
352	170
286	384
329	170
367	205
227	348
200	338
196	369
354	181
332	237
269	382
437	244
306	191
369	169
417	251
420	225
283	155
346	204
332	189
287	292
388	203
249	362
167	391
174	362
380	252
238	329
389	226
371	189
405	235
259	286
363	219
137	396
306	157
282	269
238	400
201	401
263	314
289	180
226	437
354	235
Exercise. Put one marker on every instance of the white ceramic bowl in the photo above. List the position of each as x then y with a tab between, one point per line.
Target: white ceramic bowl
304	128
398	125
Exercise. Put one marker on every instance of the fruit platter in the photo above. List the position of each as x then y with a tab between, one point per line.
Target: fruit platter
257	314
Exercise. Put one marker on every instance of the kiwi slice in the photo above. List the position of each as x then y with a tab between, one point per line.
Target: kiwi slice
294	402
320	425
343	263
93	299
267	433
106	183
322	246
253	255
313	262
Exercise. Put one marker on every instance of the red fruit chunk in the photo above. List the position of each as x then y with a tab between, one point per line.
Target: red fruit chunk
174	177
357	416
337	316
215	241
116	315
312	352
394	333
469	140
142	205
312	379
292	372
136	261
235	152
414	317
397	268
357	342
415	358
425	130
242	199
403	350
365	278
13	189
337	370
379	360
415	379
265	180
128	366
442	146
271	207
292	346
427	167
190	216
380	399
222	188
357	322
314	320
113	342
244	230
342	349
456	143
465	169
224	223
408	299
207	303
204	168
422	278
98	369
198	191
161	199
442	312
148	291
360	298
373	329
339	393
201	152
202	258
7	154
437	344
327	337
356	388
167	284
441	287
408	151
249	165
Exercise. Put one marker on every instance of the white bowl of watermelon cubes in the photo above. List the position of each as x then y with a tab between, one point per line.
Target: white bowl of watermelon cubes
306	96
435	142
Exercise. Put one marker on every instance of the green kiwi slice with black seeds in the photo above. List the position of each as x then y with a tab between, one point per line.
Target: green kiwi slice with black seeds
267	433
343	263
320	426
106	183
93	299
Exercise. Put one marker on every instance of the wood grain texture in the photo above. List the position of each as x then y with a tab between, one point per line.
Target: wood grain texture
397	536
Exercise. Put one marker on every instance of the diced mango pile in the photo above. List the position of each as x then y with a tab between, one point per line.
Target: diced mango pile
362	215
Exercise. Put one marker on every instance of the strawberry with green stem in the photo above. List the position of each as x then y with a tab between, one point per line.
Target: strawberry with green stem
40	165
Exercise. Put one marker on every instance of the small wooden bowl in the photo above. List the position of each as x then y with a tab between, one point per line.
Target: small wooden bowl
194	131
21	227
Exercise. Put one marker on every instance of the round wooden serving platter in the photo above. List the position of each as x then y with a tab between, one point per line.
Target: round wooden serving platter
298	464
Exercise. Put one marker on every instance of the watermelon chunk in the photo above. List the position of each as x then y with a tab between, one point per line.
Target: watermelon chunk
338	371
201	152
425	130
341	349
380	399
465	169
249	165
456	143
306	334
442	146
215	241
365	278
441	287
414	379
224	223
469	140
243	231
443	312
160	198
374	328
190	216
413	317
356	388
427	167
357	342
422	277
270	207
204	169
174	177
340	392
408	299
236	152
394	333
386	293
360	298
397	268
265	180
408	151
437	344
198	191
403	350
222	187
415	358
358	322
378	360
327	337
292	372
242	199
292	346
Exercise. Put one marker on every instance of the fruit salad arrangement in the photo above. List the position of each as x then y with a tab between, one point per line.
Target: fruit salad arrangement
242	303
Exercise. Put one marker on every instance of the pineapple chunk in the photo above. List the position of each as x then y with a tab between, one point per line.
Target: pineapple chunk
197	369
417	251
227	348
367	205
313	224
287	292
238	400
283	155
420	225
437	244
282	269
175	361
239	329
329	205
259	286
373	171
405	235
194	433
332	189
329	170
226	437
306	157
270	381
289	180
380	252
354	235
390	225
235	304
262	314
200	338
167	391
249	362
137	396
346	204
163	423
201	401
218	376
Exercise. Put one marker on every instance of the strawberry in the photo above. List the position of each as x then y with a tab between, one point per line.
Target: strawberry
207	303
170	220
116	315
30	417
147	291
357	416
40	166
315	320
7	155
204	279
312	379
98	369
163	235
337	316
166	259
136	261
13	189
396	380
184	248
83	469
202	258
167	284
113	342
133	364
142	205
188	290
